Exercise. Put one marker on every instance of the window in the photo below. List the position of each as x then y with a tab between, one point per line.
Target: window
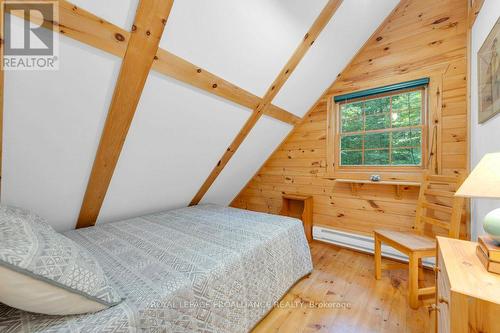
383	130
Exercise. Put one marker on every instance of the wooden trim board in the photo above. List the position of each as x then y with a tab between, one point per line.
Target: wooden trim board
81	25
147	30
309	38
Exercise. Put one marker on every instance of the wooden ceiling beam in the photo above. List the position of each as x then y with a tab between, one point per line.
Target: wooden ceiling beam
81	25
149	23
182	70
308	40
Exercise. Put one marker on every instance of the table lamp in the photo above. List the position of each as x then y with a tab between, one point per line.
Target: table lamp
484	182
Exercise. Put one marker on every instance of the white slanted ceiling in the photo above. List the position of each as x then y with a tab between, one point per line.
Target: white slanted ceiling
52	125
247	42
171	144
53	120
258	146
352	25
119	12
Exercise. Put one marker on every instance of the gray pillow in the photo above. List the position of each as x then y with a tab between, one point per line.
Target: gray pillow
63	271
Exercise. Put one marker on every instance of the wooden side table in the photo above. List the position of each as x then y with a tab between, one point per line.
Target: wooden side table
468	296
301	207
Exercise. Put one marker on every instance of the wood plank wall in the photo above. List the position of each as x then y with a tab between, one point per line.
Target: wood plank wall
418	34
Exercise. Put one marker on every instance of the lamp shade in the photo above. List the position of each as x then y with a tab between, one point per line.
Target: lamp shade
484	180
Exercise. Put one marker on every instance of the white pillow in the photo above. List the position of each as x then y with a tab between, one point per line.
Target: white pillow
42	271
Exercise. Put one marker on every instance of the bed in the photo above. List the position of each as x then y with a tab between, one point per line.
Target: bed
205	268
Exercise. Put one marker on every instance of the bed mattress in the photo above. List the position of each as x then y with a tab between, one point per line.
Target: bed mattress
198	269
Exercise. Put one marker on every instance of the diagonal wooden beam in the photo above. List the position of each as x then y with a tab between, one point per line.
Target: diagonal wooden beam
309	38
182	70
149	23
79	24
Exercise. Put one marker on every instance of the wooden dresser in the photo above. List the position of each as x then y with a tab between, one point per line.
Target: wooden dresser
468	296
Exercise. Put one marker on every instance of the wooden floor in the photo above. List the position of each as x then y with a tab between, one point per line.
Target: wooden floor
343	277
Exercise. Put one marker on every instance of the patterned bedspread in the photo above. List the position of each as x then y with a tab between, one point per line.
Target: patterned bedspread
198	269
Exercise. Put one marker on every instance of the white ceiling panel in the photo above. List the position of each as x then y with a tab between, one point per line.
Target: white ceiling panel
52	124
258	146
176	138
119	12
246	42
352	25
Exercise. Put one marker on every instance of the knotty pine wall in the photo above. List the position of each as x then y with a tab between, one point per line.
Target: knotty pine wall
419	34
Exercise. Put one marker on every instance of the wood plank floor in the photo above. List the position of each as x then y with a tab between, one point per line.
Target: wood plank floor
342	277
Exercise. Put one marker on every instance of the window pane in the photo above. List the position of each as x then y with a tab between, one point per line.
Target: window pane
403	156
377	140
406	119
408	138
351	157
376	122
377	113
352	117
351	142
379	106
399	102
407	109
415	107
400	119
377	157
371	130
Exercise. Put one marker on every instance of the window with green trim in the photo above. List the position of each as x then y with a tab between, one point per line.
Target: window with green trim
382	130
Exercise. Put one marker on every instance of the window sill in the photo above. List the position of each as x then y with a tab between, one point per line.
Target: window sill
355	184
381	182
392	175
